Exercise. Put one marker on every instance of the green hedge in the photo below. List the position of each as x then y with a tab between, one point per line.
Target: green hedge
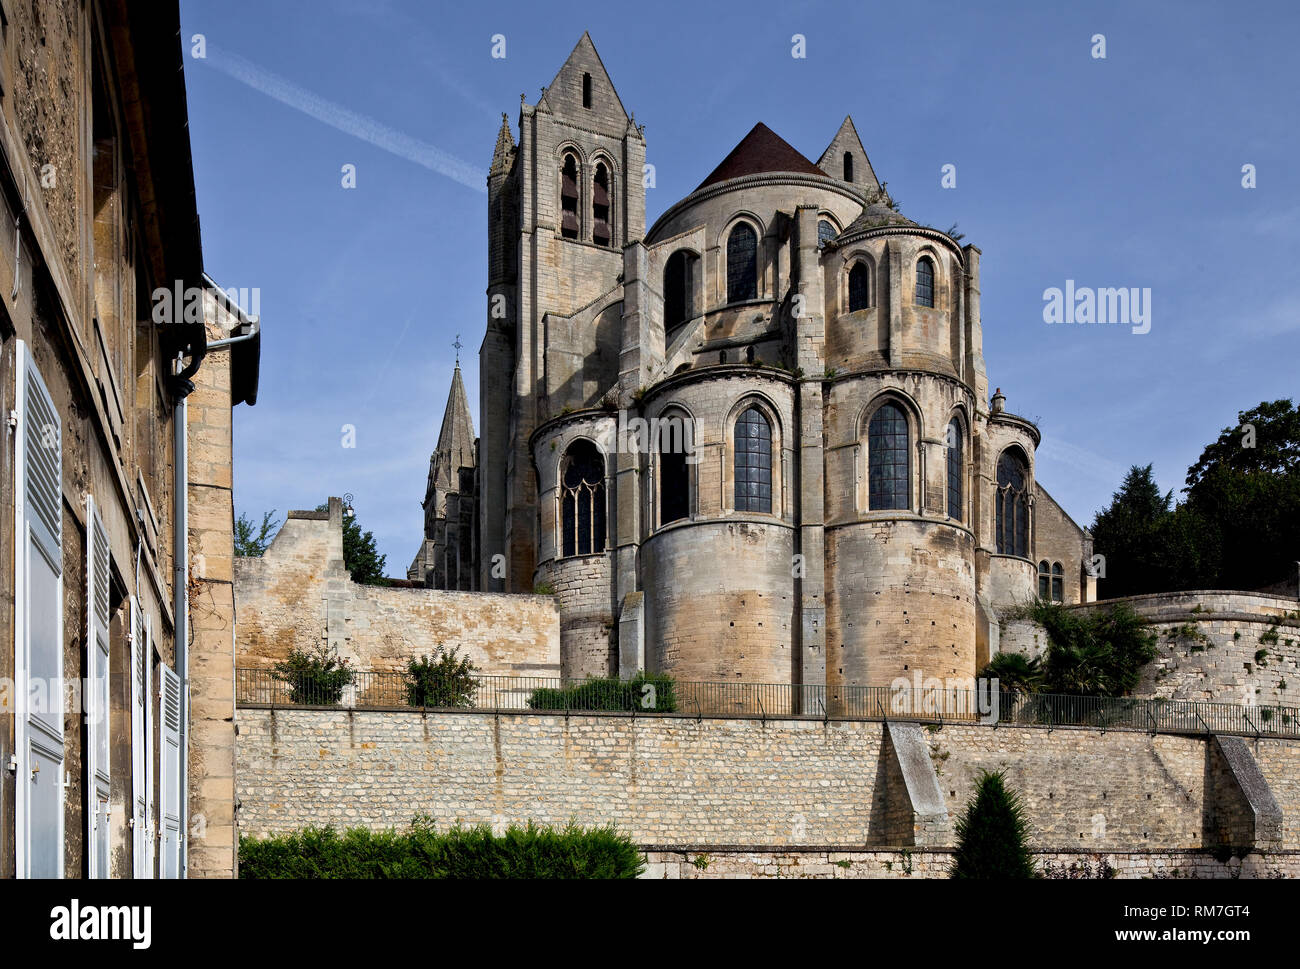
630	696
421	852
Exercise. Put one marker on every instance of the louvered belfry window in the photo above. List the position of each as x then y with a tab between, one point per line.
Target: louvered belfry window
742	264
569	198
1012	506
582	500
601	233
888	460
753	445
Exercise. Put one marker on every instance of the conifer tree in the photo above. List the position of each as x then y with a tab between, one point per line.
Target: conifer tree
992	834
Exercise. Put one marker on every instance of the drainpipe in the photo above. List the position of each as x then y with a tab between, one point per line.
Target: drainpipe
181	604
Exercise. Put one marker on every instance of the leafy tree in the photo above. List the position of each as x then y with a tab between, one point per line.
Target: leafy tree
1245	491
252	540
1094	653
360	555
447	681
993	834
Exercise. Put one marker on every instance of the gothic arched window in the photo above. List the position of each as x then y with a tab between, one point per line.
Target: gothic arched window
1012	508
826	231
954	470
742	264
600	230
859	287
582	500
1044	580
889	463
753	447
679	284
925	281
569	197
848	166
1058	582
675	441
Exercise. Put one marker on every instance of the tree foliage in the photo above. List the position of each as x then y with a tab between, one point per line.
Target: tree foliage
993	834
252	540
1238	526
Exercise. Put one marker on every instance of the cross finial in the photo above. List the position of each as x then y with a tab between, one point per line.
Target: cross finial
457	344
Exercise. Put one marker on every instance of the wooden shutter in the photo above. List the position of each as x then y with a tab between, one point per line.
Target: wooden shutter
38	625
98	784
169	792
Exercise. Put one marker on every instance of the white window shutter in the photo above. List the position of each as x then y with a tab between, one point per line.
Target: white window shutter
170	793
38	625
98	790
138	787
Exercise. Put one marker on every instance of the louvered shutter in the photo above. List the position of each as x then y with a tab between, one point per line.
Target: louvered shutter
96	694
138	783
38	647
170	770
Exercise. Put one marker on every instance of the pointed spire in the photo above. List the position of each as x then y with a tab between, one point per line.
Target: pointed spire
456	439
505	147
563	95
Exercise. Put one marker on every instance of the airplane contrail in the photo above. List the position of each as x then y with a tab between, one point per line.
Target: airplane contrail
349	122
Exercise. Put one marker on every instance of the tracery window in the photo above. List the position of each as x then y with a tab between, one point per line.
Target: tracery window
582	500
753	462
1012	506
826	231
889	462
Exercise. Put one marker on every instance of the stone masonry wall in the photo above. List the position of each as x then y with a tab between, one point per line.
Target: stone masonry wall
298	594
679	781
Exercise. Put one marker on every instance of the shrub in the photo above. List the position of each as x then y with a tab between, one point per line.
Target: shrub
420	851
645	692
316	676
1015	672
447	681
1093	653
992	833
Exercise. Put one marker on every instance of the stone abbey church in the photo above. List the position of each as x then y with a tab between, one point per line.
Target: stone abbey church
848	505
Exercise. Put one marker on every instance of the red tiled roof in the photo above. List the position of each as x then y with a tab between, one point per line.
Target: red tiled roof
762	150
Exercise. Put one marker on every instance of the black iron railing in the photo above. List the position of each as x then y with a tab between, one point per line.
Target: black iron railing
377	690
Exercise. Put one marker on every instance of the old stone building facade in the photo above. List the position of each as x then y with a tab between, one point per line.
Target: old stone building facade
97	201
754	440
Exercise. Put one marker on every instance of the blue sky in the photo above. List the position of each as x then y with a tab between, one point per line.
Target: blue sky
1117	172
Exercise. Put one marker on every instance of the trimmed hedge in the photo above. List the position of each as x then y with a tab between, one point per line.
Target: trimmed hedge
421	852
648	692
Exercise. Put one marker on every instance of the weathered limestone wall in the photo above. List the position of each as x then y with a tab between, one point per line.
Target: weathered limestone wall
711	862
1232	647
900	599
676	780
298	595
